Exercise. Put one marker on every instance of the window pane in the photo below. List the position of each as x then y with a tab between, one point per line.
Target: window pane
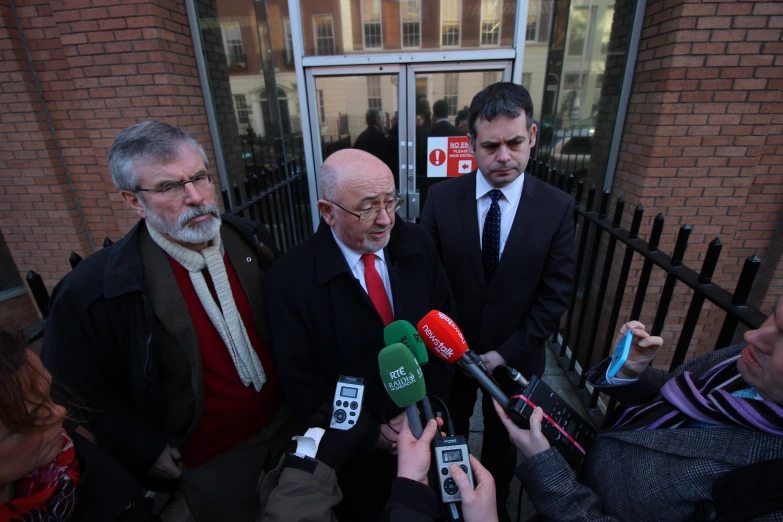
324	35
9	276
391	26
577	30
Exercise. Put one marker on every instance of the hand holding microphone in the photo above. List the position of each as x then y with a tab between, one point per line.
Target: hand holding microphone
404	382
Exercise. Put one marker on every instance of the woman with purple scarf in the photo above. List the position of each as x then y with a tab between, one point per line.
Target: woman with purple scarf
693	444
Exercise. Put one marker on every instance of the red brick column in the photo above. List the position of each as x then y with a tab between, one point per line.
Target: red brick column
702	142
103	65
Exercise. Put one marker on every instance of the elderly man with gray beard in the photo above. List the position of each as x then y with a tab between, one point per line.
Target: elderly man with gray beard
160	340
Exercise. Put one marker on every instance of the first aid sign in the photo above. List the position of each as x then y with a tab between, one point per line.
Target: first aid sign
449	157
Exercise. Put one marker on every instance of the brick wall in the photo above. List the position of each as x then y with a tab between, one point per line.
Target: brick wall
702	144
103	65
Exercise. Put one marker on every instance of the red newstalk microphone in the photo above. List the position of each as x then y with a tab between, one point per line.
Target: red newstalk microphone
443	337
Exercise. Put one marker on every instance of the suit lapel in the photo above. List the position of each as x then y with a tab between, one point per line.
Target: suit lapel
517	236
466	207
167	300
244	261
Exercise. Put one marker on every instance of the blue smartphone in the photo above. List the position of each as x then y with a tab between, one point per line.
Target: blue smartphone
621	352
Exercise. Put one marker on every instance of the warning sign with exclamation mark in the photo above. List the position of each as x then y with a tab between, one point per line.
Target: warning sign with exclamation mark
448	157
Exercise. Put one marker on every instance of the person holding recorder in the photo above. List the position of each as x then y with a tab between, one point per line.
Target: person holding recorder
677	439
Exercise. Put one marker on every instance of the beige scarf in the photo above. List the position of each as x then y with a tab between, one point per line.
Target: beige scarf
225	317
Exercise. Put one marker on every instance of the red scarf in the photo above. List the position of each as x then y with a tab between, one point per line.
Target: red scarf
48	494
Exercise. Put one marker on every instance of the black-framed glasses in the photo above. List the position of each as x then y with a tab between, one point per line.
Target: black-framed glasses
371	214
176	189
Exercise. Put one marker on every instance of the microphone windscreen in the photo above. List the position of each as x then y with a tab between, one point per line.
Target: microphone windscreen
401	375
403	332
442	336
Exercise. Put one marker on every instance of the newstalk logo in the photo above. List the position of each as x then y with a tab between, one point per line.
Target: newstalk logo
438	346
448	320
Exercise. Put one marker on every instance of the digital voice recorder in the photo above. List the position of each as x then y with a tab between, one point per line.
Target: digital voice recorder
448	451
564	428
347	405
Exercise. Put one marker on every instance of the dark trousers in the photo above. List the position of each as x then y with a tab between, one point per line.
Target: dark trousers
366	486
497	453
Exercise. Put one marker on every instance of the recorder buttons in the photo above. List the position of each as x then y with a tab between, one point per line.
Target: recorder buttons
464	468
339	415
450	486
444	471
354	404
339	403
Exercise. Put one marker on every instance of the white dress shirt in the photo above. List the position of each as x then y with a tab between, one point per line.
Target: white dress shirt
354	260
508	204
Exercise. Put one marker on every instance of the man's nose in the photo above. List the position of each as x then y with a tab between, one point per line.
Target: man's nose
503	154
193	196
384	217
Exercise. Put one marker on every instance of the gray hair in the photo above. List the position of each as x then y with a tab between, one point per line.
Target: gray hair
327	180
152	142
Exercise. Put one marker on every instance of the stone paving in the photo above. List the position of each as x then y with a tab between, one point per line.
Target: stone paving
177	511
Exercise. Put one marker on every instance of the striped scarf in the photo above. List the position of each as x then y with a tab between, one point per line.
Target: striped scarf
707	398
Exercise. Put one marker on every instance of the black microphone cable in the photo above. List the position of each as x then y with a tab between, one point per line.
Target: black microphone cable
449	424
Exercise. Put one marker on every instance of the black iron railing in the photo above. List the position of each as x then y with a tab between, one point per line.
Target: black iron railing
577	342
277	197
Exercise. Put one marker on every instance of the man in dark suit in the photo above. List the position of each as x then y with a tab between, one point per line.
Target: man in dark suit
373	139
506	241
442	126
330	298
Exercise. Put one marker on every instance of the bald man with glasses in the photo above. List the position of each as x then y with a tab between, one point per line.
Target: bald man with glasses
330	298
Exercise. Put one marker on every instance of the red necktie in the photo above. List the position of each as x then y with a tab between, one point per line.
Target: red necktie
376	290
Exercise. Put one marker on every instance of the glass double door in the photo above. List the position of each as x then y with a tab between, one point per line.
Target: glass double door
387	110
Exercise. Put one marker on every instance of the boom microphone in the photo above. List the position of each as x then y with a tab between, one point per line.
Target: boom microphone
444	338
403	332
404	381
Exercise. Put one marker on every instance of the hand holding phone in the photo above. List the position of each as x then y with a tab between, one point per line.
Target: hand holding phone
642	350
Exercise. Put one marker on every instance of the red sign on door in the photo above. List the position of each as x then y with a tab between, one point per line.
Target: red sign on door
449	157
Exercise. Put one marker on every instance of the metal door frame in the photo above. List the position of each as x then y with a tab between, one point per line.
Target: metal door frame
412	196
312	105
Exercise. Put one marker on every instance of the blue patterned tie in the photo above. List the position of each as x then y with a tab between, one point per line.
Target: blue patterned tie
490	239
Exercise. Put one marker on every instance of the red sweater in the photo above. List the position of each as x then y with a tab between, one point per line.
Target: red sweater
233	412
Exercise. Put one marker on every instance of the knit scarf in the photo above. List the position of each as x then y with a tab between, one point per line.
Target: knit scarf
712	397
48	494
225	317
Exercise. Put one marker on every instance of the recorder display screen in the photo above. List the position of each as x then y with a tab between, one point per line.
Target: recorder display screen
349	392
452	456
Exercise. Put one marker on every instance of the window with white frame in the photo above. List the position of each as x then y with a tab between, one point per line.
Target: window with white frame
451	91
232	43
449	23
527	79
577	31
489	77
289	41
573	80
490	21
371	24
243	111
374	92
410	14
323	28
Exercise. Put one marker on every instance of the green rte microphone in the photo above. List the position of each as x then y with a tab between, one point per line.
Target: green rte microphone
405	333
404	381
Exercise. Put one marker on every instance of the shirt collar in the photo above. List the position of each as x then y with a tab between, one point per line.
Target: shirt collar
511	192
352	256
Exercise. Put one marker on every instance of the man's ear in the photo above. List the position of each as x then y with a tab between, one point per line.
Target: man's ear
472	144
132	199
533	135
326	210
